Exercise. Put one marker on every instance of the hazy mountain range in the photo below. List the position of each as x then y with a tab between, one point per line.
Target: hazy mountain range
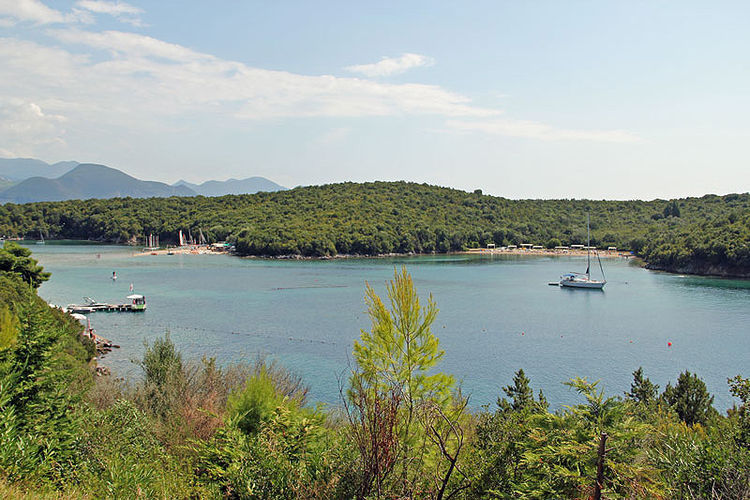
18	169
232	186
24	180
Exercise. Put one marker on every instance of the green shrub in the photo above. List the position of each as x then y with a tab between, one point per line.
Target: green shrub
122	457
254	403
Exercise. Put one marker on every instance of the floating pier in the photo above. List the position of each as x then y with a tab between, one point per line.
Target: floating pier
137	304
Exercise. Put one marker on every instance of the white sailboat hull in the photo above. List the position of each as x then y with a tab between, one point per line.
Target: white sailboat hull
580	283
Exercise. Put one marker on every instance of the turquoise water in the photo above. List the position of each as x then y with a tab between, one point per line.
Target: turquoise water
497	314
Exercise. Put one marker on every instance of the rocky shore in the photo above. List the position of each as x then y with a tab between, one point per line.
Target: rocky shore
703	269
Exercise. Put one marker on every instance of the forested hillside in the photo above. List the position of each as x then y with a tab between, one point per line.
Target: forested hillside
710	234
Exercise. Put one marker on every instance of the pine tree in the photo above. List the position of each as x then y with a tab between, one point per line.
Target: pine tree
672	209
690	399
642	390
398	408
740	388
521	395
15	259
400	348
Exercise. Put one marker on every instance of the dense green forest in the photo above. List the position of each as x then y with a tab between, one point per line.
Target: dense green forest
710	234
194	429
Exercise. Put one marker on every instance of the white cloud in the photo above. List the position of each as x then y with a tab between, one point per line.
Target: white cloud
128	80
24	126
392	65
34	11
122	11
111	8
172	78
334	136
129	45
30	10
536	130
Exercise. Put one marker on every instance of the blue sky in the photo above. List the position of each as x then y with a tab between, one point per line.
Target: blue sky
592	99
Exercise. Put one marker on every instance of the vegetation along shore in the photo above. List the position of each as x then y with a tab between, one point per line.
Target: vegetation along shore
194	429
706	235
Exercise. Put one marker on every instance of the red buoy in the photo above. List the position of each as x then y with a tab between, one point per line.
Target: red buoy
669	344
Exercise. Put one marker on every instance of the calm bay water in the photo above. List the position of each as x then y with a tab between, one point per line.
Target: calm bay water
497	314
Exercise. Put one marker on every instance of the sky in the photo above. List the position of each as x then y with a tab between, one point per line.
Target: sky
545	99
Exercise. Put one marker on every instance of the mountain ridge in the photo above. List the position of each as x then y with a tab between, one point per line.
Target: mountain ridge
19	169
28	180
87	181
249	185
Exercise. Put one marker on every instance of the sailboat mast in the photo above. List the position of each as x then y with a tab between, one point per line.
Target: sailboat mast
588	246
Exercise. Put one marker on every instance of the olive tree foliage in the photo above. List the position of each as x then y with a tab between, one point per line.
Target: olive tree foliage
403	415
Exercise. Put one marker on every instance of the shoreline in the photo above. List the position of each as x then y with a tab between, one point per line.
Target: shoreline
528	252
203	250
189	250
546	252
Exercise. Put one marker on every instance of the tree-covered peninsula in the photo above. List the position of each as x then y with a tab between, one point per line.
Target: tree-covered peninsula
706	235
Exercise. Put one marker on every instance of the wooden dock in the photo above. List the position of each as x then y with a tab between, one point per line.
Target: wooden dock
137	304
86	309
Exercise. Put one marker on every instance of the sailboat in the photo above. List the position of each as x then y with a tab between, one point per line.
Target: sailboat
583	280
152	242
41	241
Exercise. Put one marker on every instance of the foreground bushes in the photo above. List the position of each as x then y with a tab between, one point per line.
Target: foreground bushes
43	375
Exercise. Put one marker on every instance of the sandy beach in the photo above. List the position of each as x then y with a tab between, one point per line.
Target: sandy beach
548	252
187	250
203	250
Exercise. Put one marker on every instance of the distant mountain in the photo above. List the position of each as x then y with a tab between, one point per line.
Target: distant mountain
25	180
232	186
18	169
89	180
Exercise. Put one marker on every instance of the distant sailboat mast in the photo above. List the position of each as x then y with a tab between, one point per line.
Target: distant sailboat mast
583	280
152	242
588	246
